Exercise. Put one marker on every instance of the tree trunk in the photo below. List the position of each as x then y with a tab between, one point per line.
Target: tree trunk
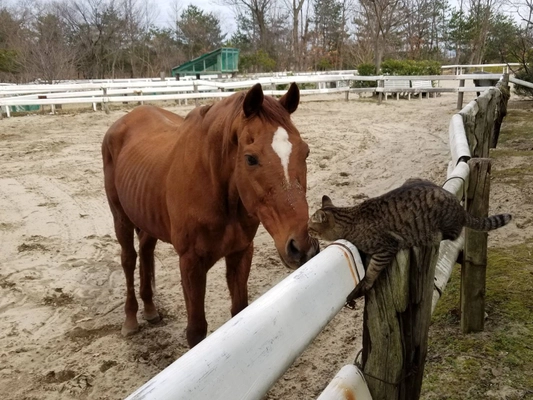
378	53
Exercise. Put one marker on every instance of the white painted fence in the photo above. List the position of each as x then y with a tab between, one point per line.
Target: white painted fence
521	82
119	91
243	358
348	384
459	68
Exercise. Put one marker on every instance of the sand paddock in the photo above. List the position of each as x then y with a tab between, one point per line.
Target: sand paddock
61	284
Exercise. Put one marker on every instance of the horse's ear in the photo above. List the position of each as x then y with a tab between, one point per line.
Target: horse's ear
291	99
253	100
326	202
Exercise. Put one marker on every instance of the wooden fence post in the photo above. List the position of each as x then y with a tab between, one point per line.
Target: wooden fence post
473	271
460	95
195	86
501	109
105	106
380	83
396	324
479	119
347	94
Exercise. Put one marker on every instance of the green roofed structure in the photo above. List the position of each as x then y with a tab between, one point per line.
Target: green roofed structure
224	60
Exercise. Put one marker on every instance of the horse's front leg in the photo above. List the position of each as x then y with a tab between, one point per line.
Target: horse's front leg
237	272
193	280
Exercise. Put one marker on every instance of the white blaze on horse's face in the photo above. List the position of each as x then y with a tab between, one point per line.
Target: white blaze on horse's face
283	148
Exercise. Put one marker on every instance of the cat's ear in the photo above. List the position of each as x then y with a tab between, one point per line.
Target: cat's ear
326	202
319	217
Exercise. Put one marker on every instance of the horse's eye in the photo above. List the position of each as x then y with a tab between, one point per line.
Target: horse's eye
251	160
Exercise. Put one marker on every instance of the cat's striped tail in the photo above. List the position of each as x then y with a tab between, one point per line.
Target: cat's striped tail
487	224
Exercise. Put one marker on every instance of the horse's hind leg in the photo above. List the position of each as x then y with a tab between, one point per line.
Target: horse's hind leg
124	231
147	272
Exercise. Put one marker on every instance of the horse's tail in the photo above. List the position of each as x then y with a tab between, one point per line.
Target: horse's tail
488	223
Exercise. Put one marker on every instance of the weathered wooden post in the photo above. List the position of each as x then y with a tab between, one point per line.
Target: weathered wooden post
501	109
195	86
105	107
474	266
396	324
347	94
478	117
460	95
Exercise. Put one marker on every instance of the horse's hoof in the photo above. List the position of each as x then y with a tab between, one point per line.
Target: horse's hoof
153	319
129	331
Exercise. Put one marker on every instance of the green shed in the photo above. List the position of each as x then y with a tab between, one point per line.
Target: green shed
224	60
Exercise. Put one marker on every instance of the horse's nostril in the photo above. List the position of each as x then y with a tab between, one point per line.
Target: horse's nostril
292	249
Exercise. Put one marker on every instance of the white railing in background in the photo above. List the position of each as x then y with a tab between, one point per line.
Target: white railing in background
160	90
459	69
521	82
244	357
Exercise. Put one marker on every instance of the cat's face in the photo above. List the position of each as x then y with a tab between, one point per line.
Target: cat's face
322	223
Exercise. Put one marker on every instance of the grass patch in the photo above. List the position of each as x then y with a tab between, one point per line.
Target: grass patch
516	132
514	153
516	176
496	363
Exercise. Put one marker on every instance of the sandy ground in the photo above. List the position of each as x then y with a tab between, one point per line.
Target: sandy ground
61	284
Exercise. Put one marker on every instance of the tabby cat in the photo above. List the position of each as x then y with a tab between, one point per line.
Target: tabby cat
418	213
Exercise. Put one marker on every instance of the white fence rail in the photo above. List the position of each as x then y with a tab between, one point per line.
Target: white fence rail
143	90
458	68
243	358
521	82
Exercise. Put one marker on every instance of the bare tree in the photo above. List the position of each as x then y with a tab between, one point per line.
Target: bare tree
417	17
481	13
138	17
198	32
259	11
295	9
380	20
49	56
15	23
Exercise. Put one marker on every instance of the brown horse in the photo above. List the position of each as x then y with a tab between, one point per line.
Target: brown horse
204	183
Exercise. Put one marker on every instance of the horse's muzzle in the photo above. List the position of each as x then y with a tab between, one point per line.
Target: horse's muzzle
299	252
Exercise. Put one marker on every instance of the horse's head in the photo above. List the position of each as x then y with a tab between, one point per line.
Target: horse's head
271	172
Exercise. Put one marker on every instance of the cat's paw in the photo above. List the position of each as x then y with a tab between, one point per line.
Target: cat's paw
359	291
